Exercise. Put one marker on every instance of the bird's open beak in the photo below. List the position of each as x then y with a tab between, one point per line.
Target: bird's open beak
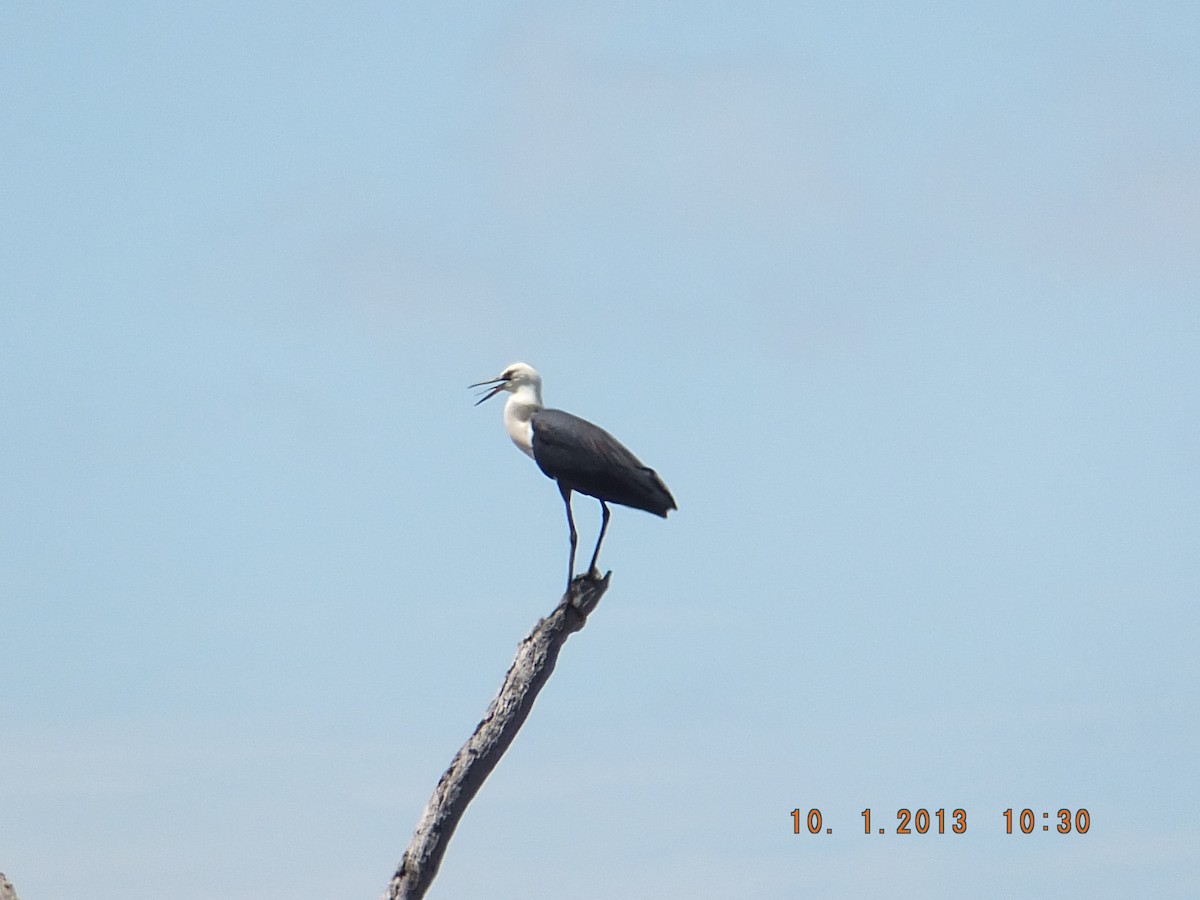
500	384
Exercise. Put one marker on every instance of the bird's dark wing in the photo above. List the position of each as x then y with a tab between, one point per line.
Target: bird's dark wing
588	459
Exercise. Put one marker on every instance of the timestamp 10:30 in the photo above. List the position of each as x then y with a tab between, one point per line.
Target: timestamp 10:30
921	821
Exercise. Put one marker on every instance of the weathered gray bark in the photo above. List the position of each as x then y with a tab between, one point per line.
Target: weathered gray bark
478	756
6	889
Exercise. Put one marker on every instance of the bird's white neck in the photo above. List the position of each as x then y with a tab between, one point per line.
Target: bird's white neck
520	407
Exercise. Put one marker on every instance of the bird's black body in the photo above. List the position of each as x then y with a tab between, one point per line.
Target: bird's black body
583	457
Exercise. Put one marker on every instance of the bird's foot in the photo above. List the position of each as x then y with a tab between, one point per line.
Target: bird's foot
591	577
584	591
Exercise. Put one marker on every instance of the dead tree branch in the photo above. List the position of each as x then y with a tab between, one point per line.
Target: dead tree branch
476	758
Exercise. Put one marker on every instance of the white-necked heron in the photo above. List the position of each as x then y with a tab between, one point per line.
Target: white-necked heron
578	455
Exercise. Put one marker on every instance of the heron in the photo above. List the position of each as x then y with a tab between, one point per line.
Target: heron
576	454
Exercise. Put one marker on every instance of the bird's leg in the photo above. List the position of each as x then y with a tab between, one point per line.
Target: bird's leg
566	495
599	540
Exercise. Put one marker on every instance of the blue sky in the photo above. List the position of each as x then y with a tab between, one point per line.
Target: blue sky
902	303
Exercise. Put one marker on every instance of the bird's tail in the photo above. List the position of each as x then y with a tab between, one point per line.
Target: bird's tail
658	498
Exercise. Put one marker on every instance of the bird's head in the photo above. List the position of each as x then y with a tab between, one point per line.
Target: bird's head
512	379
